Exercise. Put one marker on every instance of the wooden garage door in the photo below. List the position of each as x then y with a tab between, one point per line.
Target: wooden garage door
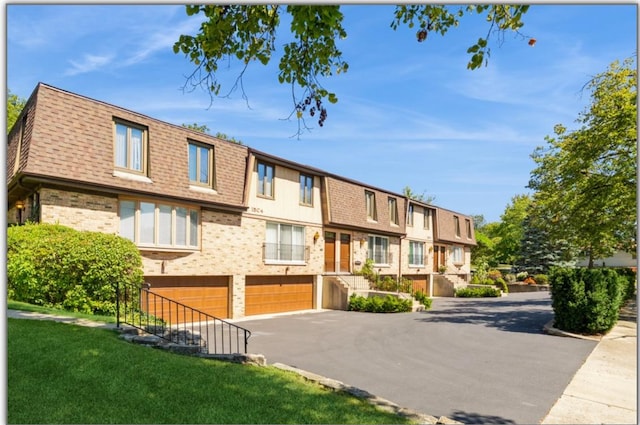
209	294
278	294
420	283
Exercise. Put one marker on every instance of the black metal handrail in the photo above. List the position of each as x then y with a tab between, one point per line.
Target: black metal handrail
178	323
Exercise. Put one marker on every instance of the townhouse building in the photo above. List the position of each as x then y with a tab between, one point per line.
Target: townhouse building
220	226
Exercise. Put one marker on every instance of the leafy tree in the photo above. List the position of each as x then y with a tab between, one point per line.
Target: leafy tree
585	180
409	193
510	229
204	129
538	251
197	127
247	33
15	105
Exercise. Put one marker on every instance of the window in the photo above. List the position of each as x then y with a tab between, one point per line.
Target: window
284	243
427	219
378	250
265	179
458	255
159	225
306	190
393	211
416	253
410	215
468	223
456	223
371	205
130	147
201	165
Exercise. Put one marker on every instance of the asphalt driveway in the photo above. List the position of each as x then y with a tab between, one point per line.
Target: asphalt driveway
473	360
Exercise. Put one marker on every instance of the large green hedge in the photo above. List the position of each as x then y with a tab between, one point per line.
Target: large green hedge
587	301
56	266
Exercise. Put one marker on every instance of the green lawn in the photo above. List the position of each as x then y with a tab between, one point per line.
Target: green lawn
61	373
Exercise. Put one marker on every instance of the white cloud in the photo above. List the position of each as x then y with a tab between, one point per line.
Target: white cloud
89	63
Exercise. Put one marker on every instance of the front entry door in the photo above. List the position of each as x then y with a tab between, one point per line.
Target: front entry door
345	252
329	252
438	257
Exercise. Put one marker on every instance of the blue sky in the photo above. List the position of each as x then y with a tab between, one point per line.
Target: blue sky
409	113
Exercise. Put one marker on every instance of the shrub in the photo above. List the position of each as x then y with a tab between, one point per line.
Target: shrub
586	300
475	280
522	276
500	283
56	266
387	304
529	281
423	299
541	279
476	292
510	277
494	274
630	277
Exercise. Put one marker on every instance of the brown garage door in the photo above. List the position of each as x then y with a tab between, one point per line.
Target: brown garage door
278	294
420	283
209	294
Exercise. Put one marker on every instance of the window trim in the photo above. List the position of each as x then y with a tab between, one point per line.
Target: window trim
456	225
211	183
144	148
298	262
371	254
427	218
370	205
459	249
393	211
410	210
156	245
304	188
412	257
468	225
261	187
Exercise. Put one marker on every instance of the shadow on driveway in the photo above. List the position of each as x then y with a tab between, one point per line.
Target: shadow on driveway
510	315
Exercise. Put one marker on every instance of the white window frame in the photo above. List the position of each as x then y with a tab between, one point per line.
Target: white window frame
276	251
457	255
378	250
149	229
413	256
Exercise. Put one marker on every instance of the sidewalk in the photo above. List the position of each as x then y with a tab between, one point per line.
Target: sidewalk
604	390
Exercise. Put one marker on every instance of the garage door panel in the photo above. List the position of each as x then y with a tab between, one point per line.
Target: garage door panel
209	294
277	294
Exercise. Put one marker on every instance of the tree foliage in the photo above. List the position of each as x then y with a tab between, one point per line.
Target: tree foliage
422	197
15	105
509	231
247	33
585	180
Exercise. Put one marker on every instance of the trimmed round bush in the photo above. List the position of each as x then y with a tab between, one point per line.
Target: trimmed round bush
586	301
56	266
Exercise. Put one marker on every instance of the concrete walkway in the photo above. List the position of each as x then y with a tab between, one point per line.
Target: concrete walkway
604	389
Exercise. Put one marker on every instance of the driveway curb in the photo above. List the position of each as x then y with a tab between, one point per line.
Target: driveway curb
379	402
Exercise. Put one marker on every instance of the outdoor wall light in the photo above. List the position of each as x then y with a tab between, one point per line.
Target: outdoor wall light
315	237
19	207
362	241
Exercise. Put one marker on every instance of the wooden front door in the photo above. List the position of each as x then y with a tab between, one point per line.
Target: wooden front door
438	257
329	252
345	252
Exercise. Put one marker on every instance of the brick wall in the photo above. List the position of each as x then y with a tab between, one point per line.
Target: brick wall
80	211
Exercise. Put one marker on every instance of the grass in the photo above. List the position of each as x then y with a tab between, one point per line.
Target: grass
61	373
17	305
